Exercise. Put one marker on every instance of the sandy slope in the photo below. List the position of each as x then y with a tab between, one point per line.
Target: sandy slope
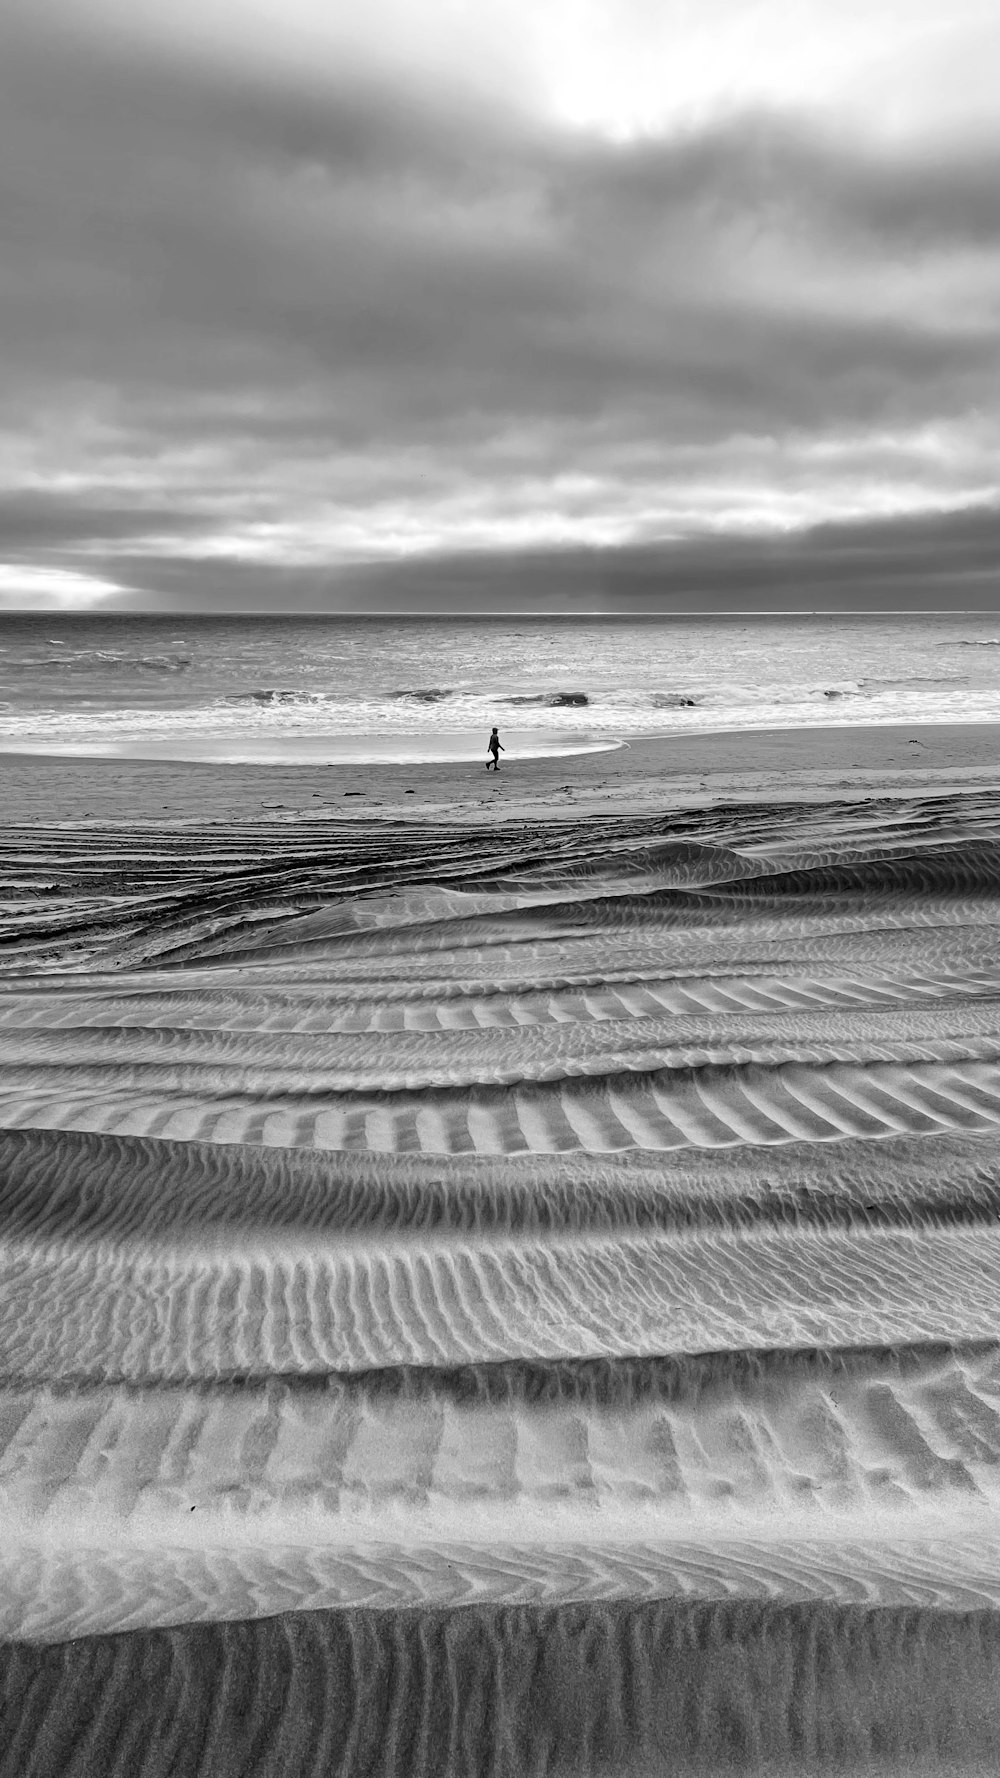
434	1214
627	1688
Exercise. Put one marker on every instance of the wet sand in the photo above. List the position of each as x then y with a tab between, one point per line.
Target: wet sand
500	1287
648	775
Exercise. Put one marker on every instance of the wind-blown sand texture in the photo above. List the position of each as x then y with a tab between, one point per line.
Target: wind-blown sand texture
511	1297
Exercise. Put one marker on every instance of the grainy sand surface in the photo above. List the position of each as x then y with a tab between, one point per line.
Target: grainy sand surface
494	1287
651	775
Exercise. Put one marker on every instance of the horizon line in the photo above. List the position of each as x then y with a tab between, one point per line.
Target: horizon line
55	613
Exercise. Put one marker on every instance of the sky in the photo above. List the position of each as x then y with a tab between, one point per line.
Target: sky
461	305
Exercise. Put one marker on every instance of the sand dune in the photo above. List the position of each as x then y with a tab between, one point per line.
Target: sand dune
592	1689
288	1308
56	1594
750	1430
944	1085
528	1218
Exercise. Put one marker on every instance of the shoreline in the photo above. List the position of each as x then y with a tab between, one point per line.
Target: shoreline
780	765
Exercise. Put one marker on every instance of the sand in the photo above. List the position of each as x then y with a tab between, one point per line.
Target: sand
618	1688
649	775
494	1285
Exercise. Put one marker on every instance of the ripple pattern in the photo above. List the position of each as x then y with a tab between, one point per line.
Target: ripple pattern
596	1217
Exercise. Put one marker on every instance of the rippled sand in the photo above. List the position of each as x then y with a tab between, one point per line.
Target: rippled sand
531	1290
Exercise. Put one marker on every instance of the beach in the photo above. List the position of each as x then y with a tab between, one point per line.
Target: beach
500	1273
779	763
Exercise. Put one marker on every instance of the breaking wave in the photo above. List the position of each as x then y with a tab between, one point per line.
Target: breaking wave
105	660
279	694
552	700
431	696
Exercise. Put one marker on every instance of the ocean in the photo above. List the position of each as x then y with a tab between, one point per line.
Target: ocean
246	689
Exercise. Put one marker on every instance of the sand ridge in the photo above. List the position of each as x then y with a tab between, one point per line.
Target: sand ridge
528	1217
631	1688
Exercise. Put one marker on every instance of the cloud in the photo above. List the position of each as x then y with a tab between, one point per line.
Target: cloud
288	321
61	589
36	520
920	562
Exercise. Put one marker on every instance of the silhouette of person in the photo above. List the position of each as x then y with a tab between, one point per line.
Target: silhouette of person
494	746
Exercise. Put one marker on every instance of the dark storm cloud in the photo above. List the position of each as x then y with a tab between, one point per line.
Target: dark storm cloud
927	562
772	172
303	302
33	520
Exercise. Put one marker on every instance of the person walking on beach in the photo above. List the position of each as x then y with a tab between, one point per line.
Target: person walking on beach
493	746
